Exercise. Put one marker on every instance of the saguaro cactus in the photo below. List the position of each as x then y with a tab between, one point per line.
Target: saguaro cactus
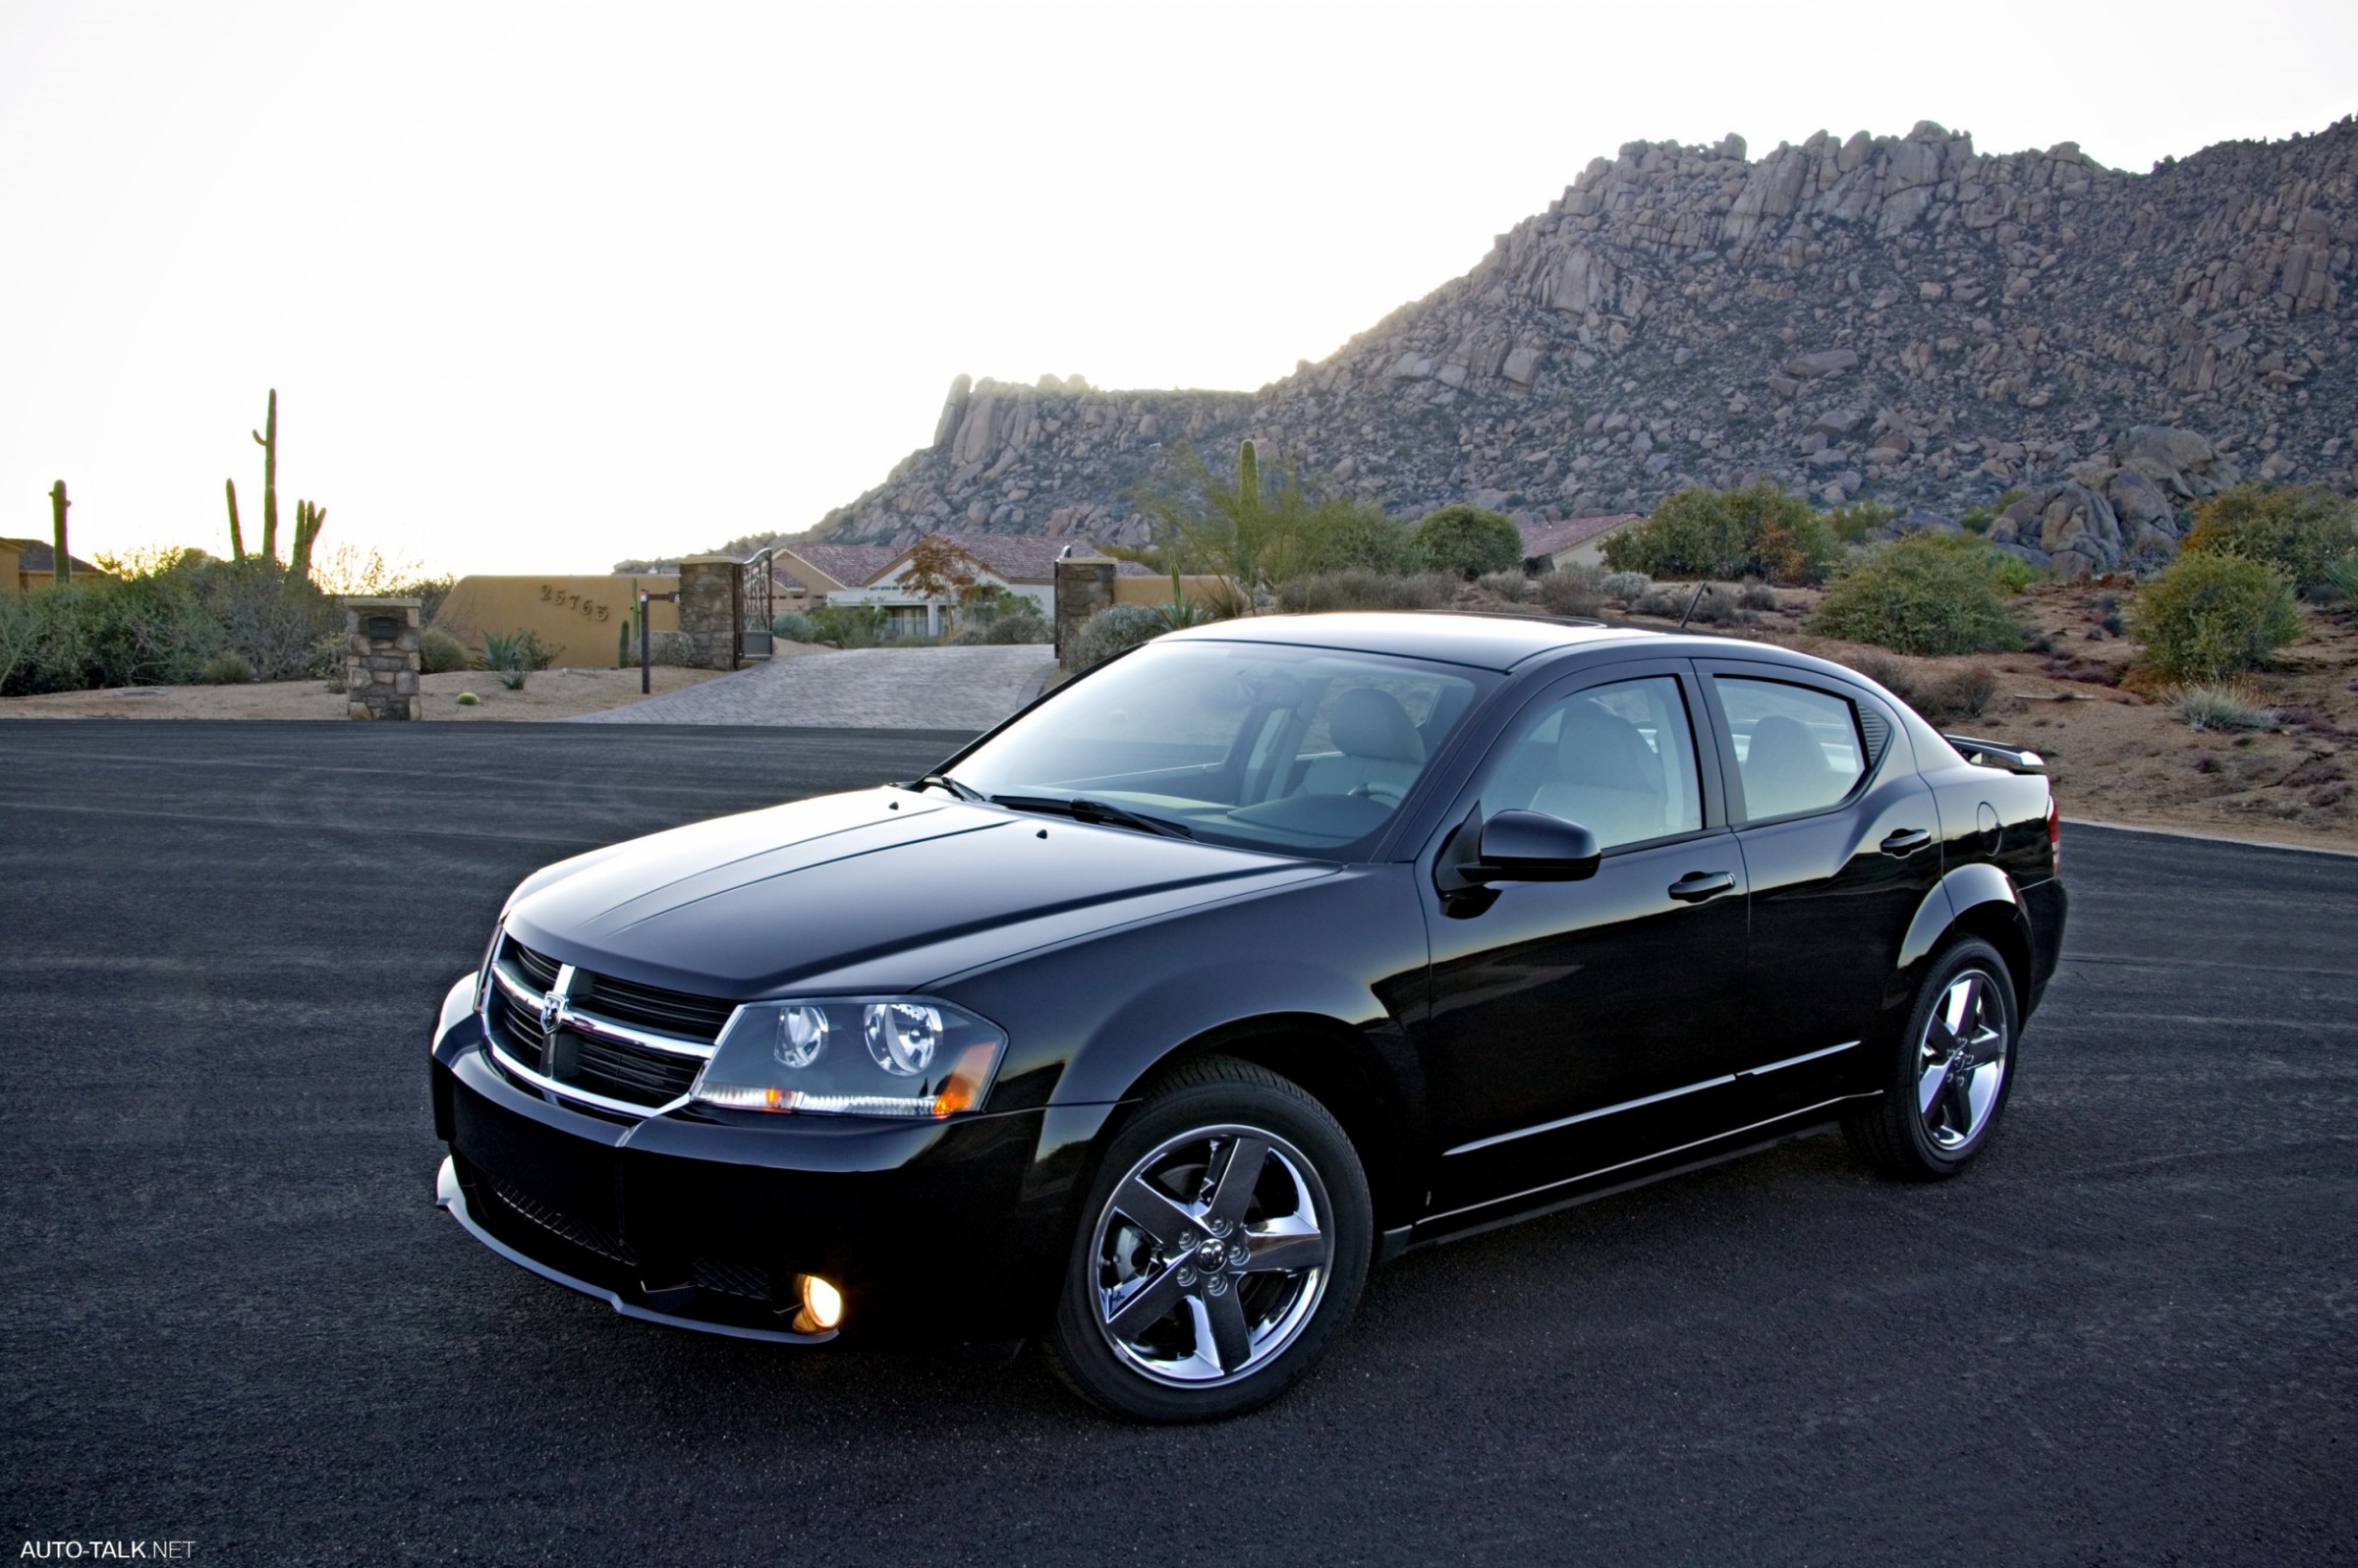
1248	479
62	564
310	519
237	536
270	446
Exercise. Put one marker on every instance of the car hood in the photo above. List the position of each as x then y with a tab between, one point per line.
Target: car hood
880	890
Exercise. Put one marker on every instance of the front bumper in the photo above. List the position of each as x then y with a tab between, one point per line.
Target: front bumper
934	1231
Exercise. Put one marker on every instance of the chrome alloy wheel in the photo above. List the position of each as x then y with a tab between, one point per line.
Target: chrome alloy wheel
1212	1255
1961	1061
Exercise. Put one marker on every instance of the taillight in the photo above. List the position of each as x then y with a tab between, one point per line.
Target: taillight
2054	831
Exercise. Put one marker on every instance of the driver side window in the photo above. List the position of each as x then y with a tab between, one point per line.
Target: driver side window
1617	760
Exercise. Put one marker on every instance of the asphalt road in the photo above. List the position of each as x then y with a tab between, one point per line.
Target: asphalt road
232	1315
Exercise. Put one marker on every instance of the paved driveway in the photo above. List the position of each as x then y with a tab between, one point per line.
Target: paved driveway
869	689
229	1312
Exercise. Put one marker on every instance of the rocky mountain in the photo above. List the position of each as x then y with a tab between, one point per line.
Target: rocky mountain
1897	318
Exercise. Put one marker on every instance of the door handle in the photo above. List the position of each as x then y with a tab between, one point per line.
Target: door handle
1696	886
1906	841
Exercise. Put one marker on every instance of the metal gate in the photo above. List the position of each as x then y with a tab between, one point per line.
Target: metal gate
755	598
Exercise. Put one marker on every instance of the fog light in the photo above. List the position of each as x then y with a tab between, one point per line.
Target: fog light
823	1305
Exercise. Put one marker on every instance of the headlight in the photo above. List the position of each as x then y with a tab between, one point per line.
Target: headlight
880	1056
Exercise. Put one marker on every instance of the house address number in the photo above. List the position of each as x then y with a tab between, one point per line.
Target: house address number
588	608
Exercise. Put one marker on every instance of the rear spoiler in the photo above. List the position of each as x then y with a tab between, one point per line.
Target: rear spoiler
1990	753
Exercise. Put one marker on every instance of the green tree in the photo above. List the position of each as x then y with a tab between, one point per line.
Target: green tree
1259	529
1756	529
1467	541
2302	530
1930	593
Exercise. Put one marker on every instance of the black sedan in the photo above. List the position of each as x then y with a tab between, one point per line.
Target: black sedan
1157	1017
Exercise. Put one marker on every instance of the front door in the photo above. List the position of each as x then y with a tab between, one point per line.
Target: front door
1576	1025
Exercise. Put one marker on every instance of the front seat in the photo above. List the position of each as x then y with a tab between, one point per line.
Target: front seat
1607	779
1382	752
1785	770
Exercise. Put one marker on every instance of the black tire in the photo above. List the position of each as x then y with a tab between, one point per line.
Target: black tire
1289	1315
1897	1132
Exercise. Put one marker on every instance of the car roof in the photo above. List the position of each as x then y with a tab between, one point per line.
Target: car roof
1484	642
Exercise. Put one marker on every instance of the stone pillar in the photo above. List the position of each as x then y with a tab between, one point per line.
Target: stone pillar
380	658
1083	588
711	610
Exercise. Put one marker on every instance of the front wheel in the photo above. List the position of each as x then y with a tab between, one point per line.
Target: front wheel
1222	1246
1951	1071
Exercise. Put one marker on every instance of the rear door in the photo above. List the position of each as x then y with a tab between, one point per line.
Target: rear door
1840	843
1576	1025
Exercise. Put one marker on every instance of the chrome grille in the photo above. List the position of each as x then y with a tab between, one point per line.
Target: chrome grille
618	1045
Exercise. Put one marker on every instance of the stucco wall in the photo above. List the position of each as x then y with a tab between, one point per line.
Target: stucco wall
1158	590
576	617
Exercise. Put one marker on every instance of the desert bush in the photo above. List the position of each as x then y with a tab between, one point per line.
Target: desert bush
1114	630
1851	524
439	652
1703	604
1464	542
1576	589
1755	529
792	626
1756	597
2343	578
668	647
2214	615
1944	696
1029	626
226	669
1341	536
1363	590
847	625
1513	586
2220	707
1927	593
2302	530
281	622
1625	586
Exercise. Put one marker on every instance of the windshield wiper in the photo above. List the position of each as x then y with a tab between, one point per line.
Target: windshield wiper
1096	812
965	791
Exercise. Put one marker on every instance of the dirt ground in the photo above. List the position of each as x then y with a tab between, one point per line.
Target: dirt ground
547	695
2116	750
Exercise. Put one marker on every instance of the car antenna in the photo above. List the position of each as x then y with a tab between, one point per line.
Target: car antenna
1690	604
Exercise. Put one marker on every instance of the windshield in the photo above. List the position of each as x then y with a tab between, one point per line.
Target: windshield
1302	751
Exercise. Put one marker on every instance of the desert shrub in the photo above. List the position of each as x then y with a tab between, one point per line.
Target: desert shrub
2302	530
1756	597
1755	529
1883	670
668	647
792	626
1954	694
1851	524
516	650
1625	586
1114	630
1464	542
439	652
1513	586
849	624
1029	626
226	669
1978	519
2343	578
2212	616
1703	604
280	623
1341	536
1365	591
2220	707
1926	593
1576	589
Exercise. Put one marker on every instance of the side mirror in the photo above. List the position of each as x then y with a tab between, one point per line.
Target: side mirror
1523	847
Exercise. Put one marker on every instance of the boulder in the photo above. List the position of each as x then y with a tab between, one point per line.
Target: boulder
1823	363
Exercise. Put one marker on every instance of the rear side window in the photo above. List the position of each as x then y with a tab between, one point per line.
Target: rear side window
1797	749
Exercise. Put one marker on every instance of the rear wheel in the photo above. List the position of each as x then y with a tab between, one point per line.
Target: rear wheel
1222	1246
1950	1070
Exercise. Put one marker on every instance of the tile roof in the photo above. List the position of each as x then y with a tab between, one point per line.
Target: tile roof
850	565
37	555
1026	557
1554	538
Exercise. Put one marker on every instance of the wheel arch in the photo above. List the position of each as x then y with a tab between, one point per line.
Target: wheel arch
1973	900
1354	1077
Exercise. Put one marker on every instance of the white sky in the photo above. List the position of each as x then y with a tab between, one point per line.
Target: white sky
545	286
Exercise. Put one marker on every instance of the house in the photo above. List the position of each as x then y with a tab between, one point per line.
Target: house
1024	563
806	574
1579	540
26	565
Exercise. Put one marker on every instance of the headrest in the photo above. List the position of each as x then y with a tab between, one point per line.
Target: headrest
1372	723
1599	749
